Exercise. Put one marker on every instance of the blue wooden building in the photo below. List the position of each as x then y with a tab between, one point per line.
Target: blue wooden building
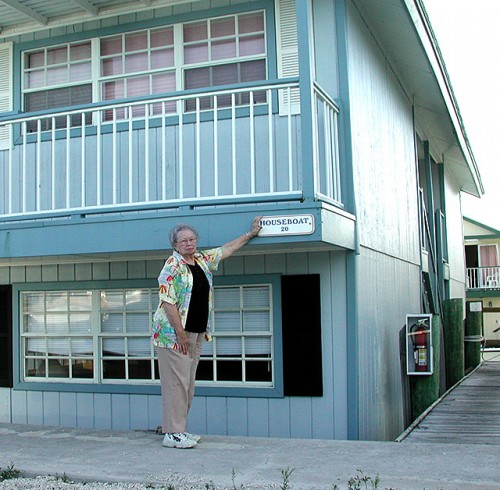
334	119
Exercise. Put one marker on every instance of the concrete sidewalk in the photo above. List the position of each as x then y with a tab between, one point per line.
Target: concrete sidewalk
112	456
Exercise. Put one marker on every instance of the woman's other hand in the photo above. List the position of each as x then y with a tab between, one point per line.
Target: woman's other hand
183	341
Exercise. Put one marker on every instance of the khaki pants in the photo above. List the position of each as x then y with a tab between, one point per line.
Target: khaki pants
177	376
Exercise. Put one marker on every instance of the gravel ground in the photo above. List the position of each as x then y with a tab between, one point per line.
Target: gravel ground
62	483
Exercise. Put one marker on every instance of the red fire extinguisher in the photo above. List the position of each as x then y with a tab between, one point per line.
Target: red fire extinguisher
420	341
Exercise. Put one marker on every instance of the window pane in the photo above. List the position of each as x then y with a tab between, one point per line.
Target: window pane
112	322
57	301
80	323
139	347
227	298
257	321
163	58
225	74
112	300
113	347
56	76
229	371
137	300
35	60
58	98
252	45
34	79
57	55
138	86
222	27
81	346
256	297
136	41
253	70
227	346
223	49
111	45
162	37
111	66
139	369
197	78
80	52
82	368
58	368
251	23
227	321
258	346
137	322
136	62
113	369
79	72
196	53
79	301
205	371
258	371
113	90
164	83
57	323
33	302
195	31
58	346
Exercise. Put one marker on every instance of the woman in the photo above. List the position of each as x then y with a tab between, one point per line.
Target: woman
181	323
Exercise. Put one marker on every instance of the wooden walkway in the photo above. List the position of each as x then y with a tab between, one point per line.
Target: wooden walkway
468	414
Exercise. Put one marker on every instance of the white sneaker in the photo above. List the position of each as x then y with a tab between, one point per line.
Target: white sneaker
193	437
178	440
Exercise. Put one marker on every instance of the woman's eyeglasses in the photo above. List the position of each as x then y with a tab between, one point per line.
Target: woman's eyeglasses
185	241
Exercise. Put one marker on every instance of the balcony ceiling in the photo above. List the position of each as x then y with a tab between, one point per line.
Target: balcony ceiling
21	16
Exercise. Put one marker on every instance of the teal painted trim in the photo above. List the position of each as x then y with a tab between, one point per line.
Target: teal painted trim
266	5
148	389
483	293
348	190
304	30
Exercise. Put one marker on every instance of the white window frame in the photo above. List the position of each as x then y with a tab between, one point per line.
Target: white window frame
97	336
179	68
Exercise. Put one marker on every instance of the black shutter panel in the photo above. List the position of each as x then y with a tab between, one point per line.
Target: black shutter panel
301	316
6	336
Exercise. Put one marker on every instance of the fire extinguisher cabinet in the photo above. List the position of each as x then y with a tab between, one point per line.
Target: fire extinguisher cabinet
419	344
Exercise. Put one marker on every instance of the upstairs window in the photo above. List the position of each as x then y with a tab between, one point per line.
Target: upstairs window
201	54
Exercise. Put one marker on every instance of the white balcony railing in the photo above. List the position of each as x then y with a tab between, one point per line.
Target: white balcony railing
189	148
483	277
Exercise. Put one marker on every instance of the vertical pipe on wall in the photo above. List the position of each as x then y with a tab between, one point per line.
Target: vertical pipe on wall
350	203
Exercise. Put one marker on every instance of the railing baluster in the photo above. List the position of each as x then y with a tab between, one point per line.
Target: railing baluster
181	152
10	189
53	165
252	145
163	153
115	158
24	150
130	156
146	152
198	149
216	147
98	159
83	169
68	165
233	140
38	182
289	125
270	138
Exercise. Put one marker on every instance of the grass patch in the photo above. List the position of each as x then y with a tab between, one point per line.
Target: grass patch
9	473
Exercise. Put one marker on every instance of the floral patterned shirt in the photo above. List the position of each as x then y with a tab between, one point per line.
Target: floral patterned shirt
176	283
